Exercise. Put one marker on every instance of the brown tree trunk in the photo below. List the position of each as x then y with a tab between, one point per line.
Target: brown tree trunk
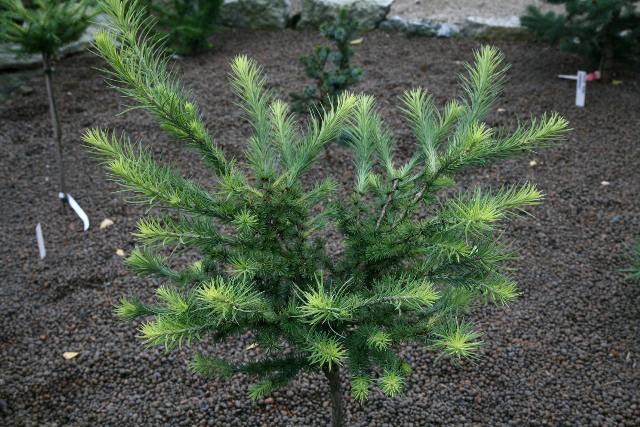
335	390
55	122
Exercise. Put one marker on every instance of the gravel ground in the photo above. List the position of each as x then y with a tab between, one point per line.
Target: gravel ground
457	11
565	354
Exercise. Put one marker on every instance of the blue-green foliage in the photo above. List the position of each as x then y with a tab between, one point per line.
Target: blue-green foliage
330	67
602	31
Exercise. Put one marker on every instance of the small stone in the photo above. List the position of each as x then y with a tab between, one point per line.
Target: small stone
106	223
617	218
447	30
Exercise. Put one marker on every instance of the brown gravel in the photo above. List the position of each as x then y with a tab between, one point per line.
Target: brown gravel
566	354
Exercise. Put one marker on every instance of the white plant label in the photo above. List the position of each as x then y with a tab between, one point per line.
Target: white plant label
581	88
40	240
77	209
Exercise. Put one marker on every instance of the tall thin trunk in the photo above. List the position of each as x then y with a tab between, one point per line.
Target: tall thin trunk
607	48
55	120
335	390
607	60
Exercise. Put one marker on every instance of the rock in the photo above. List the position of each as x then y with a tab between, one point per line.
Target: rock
434	26
369	13
421	27
257	14
477	25
617	218
447	30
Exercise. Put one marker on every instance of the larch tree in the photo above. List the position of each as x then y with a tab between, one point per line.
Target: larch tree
43	28
413	261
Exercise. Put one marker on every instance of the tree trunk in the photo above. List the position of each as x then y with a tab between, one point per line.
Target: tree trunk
55	120
607	48
607	60
337	410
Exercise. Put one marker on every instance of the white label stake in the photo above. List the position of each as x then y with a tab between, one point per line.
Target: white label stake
581	88
40	240
77	209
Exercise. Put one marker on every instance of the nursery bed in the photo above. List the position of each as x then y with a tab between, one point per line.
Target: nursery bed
566	353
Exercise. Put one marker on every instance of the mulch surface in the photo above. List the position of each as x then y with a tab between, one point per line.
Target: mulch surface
567	353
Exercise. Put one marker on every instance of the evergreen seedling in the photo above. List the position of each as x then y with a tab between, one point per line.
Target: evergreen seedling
43	29
633	272
602	31
189	23
413	261
329	66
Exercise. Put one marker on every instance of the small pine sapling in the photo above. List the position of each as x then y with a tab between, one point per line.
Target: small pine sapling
633	271
43	28
414	260
604	32
189	23
329	66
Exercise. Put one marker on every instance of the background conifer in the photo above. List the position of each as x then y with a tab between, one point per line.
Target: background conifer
329	66
604	32
188	23
43	28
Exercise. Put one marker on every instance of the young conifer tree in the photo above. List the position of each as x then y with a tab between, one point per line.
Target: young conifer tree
604	32
413	259
43	28
329	66
634	270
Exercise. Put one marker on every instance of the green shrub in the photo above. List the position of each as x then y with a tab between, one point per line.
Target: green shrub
602	31
330	67
189	23
265	264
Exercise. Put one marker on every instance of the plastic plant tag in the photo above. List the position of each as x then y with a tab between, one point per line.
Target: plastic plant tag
76	208
40	239
592	76
581	88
